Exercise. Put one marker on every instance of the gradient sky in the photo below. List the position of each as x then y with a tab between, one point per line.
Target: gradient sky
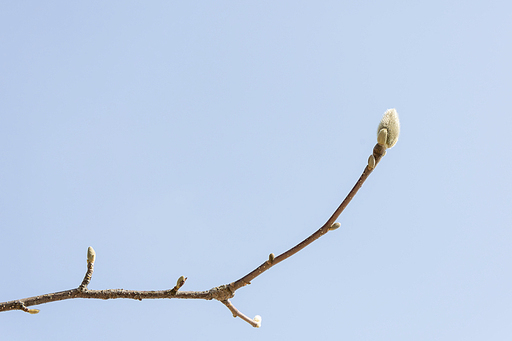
194	138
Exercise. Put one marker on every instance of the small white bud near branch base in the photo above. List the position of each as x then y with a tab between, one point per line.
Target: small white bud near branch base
257	319
91	255
389	129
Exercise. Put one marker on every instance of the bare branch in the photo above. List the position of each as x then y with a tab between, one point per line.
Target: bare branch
387	137
221	293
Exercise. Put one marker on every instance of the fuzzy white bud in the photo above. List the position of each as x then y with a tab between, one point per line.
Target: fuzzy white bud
391	126
257	319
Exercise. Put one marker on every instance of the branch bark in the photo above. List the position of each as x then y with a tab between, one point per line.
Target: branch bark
221	293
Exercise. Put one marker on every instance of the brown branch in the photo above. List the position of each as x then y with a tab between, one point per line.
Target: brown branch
221	293
108	294
378	153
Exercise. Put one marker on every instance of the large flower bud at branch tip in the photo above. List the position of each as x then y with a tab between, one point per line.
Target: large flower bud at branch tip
389	129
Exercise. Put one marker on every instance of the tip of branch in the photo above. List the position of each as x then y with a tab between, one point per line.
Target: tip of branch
91	255
33	311
257	319
389	129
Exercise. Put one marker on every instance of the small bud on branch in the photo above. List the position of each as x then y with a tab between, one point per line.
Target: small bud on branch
371	162
180	282
91	255
334	226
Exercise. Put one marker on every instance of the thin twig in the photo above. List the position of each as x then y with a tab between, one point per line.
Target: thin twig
87	277
238	313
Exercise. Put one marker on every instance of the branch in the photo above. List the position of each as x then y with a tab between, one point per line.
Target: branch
378	153
387	136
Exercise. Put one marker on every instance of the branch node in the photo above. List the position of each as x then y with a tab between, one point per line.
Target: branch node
334	226
221	293
23	307
378	152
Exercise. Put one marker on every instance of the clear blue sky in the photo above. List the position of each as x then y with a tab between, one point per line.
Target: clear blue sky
194	138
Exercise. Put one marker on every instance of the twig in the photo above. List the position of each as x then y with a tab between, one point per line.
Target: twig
378	153
237	313
87	277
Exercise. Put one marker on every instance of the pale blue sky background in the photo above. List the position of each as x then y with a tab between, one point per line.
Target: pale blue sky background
194	138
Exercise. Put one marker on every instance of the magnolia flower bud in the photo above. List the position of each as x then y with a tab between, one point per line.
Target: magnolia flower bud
334	226
389	129
180	281
33	311
257	319
91	255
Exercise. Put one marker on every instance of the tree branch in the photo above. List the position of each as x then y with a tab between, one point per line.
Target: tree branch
387	136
